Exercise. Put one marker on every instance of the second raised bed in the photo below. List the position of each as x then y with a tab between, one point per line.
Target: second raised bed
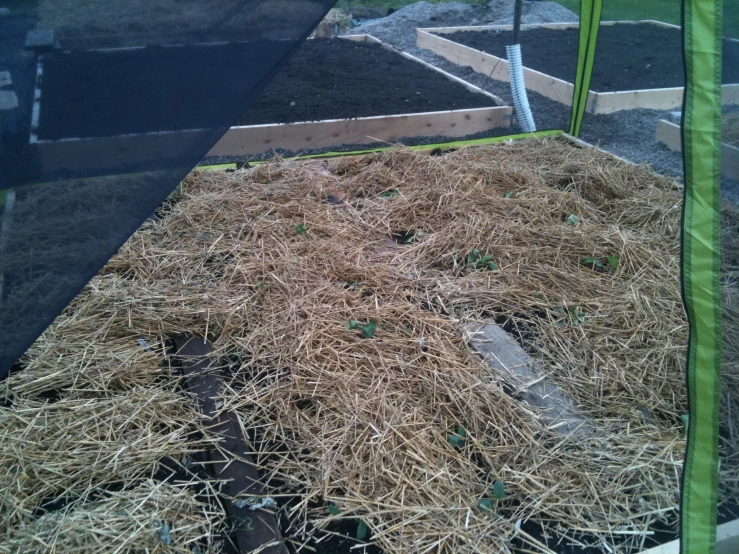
638	64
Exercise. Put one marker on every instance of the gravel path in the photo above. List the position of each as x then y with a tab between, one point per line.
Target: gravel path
629	133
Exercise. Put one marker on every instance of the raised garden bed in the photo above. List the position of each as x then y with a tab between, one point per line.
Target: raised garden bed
668	133
332	293
637	65
321	99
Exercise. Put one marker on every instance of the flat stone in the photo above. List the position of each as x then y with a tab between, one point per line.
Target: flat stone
41	39
507	358
8	100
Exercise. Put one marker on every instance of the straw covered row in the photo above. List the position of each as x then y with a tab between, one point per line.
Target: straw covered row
333	293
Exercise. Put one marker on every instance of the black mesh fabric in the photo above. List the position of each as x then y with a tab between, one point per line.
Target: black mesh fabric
104	107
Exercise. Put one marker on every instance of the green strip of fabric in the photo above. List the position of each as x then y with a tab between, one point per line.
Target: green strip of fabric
700	270
590	12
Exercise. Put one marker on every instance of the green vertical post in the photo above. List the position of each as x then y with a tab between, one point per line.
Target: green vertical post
700	269
590	11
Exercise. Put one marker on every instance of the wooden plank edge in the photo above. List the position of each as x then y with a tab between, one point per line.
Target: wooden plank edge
727	541
257	139
230	461
548	86
556	25
668	133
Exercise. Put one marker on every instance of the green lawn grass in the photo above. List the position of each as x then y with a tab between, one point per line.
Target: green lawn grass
613	10
660	10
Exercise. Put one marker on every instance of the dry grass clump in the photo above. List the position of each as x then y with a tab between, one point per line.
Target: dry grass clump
267	266
153	517
86	426
729	416
66	448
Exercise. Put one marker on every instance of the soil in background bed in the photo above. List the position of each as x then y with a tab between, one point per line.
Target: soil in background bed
343	79
628	57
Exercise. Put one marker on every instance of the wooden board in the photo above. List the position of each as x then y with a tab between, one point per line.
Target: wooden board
256	139
727	541
552	87
669	134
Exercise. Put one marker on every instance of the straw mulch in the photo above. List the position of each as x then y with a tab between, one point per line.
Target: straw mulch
270	264
84	429
153	518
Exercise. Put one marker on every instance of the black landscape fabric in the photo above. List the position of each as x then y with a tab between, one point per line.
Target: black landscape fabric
77	178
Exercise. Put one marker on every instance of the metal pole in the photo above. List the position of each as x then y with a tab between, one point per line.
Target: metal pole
518	7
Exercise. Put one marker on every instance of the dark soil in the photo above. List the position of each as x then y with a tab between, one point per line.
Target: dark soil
341	79
628	57
108	93
97	94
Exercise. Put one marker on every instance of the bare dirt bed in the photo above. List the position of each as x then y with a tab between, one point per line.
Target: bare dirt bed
628	57
341	79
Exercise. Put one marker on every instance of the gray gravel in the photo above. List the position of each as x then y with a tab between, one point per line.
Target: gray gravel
398	28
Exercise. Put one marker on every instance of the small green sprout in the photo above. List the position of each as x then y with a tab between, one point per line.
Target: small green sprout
486	505
499	490
368	329
390	193
572	219
613	261
508	194
685	421
334	510
592	263
362	530
457	440
300	229
479	261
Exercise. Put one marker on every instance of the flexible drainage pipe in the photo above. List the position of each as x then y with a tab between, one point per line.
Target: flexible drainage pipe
518	88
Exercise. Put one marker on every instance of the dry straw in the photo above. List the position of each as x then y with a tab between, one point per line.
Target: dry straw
272	263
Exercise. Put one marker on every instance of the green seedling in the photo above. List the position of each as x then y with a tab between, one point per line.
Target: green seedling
368	329
260	286
362	530
300	229
479	261
164	533
334	510
416	236
490	504
685	421
613	261
572	219
499	490
576	317
457	440
508	194
390	193
592	263
486	505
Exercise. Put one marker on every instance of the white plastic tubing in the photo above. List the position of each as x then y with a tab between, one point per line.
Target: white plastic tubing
518	89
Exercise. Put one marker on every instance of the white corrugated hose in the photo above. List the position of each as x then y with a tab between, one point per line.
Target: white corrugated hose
518	89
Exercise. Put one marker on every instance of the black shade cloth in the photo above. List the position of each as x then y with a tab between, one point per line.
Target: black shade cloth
104	107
